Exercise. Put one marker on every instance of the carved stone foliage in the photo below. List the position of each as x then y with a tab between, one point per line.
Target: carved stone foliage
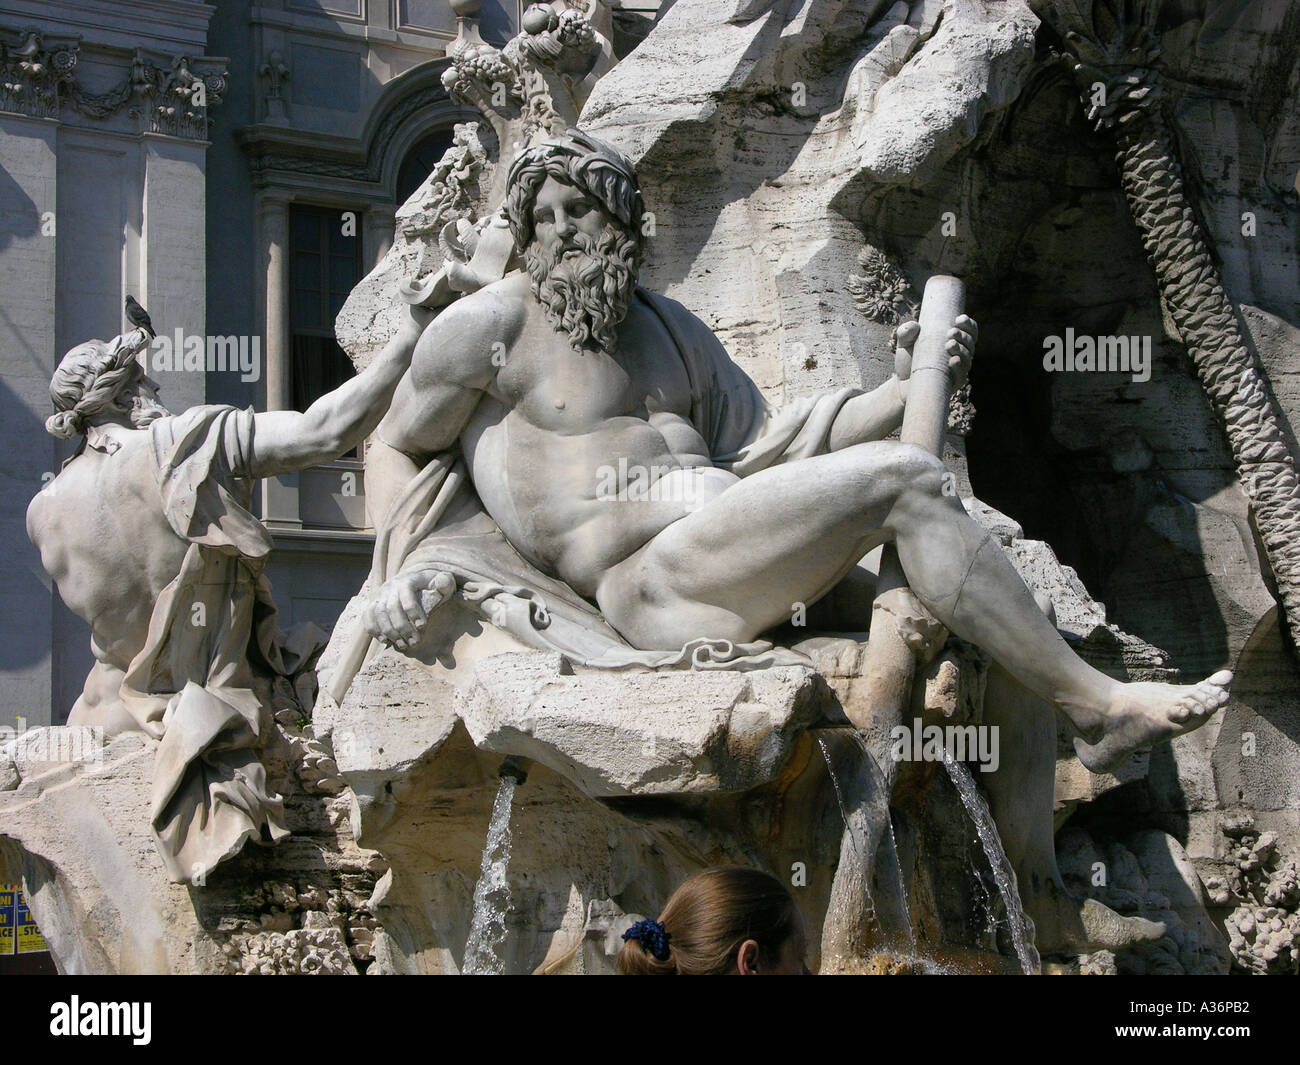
448	193
1264	891
881	291
180	98
38	78
539	81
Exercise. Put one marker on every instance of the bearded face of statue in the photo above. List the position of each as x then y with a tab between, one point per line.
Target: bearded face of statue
560	212
583	265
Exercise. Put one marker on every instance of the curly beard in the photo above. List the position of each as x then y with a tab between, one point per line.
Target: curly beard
143	410
586	295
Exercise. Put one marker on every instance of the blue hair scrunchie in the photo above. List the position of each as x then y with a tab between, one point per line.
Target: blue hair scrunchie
652	936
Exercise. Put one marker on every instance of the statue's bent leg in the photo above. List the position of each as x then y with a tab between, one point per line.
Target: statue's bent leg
991	606
742	563
745	561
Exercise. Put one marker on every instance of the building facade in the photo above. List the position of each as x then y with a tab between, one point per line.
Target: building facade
234	166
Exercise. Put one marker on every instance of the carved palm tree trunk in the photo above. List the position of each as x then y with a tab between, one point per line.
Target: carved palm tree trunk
1121	91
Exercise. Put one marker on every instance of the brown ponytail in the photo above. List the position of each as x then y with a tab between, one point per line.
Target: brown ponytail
710	916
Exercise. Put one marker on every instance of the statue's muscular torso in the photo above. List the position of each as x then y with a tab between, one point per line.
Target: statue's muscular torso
542	426
101	516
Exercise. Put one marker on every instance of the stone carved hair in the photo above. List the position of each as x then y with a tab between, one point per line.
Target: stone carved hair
587	164
87	383
588	300
708	919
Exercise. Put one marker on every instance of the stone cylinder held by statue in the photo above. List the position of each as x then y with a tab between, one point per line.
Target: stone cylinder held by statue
927	388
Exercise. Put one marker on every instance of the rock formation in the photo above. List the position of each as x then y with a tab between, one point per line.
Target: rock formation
806	167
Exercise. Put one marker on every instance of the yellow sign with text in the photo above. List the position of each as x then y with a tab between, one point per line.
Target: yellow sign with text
30	940
8	917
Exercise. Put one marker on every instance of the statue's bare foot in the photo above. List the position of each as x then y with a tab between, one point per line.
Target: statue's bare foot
1144	713
1064	925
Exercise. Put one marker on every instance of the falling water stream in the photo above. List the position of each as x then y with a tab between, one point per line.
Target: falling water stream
878	784
878	794
487	930
1022	928
492	892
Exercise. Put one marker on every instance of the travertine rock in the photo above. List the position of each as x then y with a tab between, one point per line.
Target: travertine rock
1150	875
94	883
641	733
102	899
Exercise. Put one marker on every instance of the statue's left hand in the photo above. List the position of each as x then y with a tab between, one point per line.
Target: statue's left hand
960	347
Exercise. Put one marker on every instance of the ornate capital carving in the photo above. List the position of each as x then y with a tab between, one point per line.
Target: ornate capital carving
35	71
38	77
179	99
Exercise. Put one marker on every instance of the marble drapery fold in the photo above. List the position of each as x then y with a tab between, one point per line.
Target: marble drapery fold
212	635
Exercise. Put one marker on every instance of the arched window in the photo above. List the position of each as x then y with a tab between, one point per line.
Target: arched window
420	161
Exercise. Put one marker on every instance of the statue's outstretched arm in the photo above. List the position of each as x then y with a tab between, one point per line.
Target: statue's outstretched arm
287	440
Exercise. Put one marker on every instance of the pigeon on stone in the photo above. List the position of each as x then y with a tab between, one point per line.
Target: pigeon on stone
138	316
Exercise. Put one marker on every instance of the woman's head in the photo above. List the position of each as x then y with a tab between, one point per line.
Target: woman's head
723	921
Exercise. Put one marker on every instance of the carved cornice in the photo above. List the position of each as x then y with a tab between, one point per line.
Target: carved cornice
38	78
273	148
264	162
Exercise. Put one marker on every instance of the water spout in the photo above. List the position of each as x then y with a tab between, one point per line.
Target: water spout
839	796
854	827
1022	928
487	929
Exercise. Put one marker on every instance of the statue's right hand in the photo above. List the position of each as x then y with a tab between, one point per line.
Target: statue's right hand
401	606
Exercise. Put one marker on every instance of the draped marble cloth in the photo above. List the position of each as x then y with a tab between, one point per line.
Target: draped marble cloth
212	642
438	522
